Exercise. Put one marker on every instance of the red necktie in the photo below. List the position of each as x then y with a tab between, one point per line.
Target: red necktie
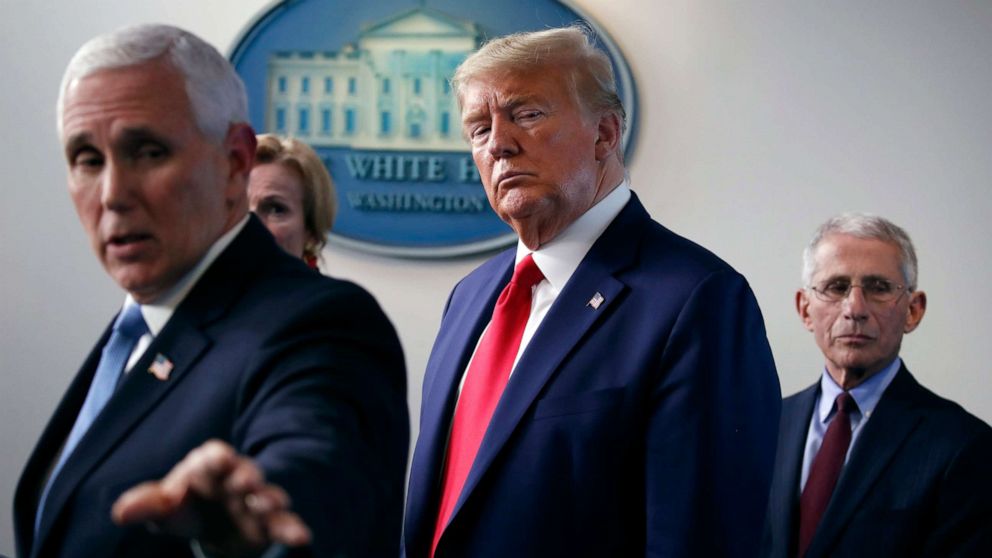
484	382
825	471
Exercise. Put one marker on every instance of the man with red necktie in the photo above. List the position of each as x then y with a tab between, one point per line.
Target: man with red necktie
605	387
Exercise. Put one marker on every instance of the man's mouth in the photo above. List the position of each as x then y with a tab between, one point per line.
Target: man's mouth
508	176
125	239
856	338
127	246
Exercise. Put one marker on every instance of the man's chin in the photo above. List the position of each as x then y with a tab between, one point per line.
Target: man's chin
857	371
141	284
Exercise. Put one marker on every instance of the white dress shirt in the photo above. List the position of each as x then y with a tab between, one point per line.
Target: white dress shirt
157	313
558	260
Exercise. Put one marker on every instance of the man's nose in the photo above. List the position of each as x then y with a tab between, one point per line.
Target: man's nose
854	304
116	190
502	141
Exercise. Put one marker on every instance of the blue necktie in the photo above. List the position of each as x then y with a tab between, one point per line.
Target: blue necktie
128	328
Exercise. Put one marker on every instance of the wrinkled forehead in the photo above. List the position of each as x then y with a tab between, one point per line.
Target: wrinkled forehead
85	65
515	78
852	257
156	79
509	89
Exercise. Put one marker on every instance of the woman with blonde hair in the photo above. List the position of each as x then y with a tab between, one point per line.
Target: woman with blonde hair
292	193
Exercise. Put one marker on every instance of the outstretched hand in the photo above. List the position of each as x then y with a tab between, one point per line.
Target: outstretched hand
220	499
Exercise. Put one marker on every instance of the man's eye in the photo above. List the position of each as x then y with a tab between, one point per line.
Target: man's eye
528	115
878	286
479	132
151	151
87	159
837	287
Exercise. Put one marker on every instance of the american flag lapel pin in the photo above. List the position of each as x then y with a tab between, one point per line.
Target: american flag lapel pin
595	301
161	367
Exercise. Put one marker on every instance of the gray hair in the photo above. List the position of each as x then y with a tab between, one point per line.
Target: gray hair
867	226
591	72
216	93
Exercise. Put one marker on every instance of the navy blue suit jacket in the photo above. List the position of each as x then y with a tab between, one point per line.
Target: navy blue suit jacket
917	482
645	426
301	372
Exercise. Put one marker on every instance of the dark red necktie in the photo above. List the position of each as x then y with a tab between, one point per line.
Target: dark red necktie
484	382
825	471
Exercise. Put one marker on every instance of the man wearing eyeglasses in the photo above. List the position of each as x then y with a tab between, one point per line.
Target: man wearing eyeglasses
871	463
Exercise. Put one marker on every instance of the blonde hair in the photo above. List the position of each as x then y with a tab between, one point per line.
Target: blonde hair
319	198
591	78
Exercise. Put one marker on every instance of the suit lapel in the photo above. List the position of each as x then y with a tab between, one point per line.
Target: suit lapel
895	417
568	320
135	398
182	341
463	327
784	497
463	323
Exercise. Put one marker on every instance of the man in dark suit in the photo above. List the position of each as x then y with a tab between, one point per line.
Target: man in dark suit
640	416
298	379
871	463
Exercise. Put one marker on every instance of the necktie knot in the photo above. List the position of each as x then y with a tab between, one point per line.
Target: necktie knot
527	274
845	403
131	324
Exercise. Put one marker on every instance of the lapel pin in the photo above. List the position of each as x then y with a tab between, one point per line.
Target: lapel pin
595	301
161	367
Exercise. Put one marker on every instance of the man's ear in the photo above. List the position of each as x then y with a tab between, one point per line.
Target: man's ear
239	152
608	136
239	147
917	307
802	308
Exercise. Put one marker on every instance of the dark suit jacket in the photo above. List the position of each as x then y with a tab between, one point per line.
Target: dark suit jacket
917	482
646	426
301	372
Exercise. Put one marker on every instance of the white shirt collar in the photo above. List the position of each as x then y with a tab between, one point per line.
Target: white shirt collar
558	259
157	313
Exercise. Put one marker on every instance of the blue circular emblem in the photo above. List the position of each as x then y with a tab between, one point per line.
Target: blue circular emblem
367	86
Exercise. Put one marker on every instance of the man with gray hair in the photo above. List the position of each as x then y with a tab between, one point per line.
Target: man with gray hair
871	463
605	387
233	370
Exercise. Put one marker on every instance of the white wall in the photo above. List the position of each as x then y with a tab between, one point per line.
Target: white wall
758	121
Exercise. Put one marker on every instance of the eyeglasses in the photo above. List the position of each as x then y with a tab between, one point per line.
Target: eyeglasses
874	290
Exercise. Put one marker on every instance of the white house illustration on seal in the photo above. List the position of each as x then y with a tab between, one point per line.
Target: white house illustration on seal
389	90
